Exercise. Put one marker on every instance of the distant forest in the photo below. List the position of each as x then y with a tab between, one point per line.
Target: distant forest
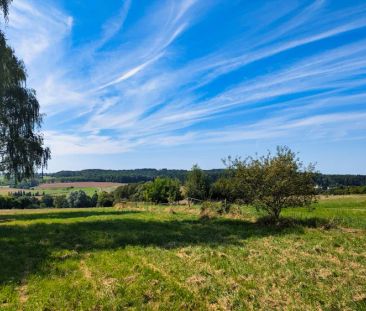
147	174
126	176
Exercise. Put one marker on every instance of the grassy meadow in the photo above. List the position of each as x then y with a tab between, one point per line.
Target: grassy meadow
154	259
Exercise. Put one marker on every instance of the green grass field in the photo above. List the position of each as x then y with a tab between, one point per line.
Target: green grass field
66	190
152	259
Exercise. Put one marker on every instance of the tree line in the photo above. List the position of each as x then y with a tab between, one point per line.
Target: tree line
323	181
326	184
75	199
124	176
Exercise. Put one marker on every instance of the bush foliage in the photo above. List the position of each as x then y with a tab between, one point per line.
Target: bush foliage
272	182
162	190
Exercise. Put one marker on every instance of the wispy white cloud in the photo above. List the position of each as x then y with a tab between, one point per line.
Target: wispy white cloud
65	144
144	91
113	26
326	126
34	30
130	73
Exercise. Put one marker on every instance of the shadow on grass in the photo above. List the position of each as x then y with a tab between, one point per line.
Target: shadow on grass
28	216
23	249
290	222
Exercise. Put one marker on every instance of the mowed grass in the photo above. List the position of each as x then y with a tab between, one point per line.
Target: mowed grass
152	259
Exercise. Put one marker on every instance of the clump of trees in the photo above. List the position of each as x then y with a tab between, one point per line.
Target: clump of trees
271	183
22	202
160	190
19	202
129	192
75	199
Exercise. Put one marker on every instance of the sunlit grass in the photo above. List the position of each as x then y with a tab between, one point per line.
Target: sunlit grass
343	210
150	258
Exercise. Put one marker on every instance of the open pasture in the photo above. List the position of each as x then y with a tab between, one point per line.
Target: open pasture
6	190
81	184
150	258
65	188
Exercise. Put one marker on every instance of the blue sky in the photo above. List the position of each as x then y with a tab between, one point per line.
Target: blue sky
166	84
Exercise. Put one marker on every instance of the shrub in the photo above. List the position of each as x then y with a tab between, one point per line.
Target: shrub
47	200
26	202
139	194
7	202
94	199
272	183
126	192
197	184
78	199
105	199
162	190
60	201
226	188
211	209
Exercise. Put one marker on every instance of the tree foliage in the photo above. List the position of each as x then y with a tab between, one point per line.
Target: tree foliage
105	199
273	182
78	199
4	7
127	192
197	184
60	201
21	145
47	200
162	190
225	188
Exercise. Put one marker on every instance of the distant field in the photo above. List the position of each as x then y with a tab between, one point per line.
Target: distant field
78	185
151	259
65	188
7	190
